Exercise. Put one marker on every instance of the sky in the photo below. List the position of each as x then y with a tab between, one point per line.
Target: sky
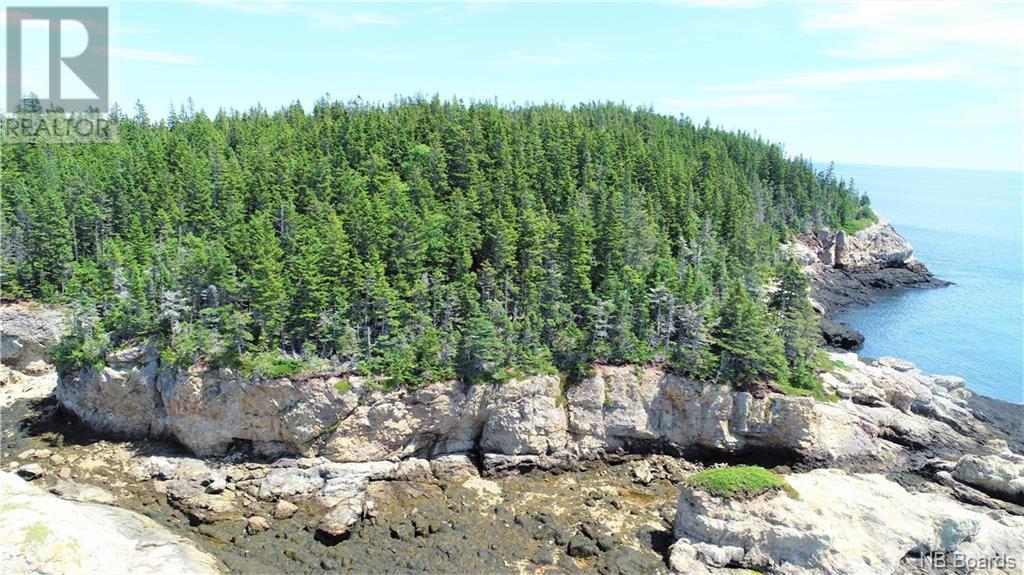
892	83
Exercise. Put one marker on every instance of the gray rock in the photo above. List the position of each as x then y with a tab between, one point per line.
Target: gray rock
256	524
156	467
581	546
840	249
291	484
46	534
642	472
29	333
896	363
31	471
284	509
193	500
525	418
453	467
840	335
82	492
215	483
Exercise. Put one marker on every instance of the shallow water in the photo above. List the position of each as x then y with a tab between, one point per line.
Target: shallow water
966	227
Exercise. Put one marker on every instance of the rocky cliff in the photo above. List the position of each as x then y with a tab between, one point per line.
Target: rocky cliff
849	269
888	415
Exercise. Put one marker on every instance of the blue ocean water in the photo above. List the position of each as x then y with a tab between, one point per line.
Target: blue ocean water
966	226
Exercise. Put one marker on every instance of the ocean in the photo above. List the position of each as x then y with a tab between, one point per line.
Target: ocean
966	226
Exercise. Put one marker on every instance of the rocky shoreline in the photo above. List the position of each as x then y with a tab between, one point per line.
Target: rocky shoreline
850	270
323	472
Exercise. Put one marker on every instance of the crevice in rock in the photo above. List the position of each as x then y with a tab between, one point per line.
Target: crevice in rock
328	540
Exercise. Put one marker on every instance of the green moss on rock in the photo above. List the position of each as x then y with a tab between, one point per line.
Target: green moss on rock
743	481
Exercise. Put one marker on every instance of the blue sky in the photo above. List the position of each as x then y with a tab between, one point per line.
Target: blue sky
871	82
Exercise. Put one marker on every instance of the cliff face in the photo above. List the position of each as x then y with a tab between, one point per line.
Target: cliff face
889	415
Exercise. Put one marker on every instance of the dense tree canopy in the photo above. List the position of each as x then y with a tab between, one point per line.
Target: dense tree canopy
424	239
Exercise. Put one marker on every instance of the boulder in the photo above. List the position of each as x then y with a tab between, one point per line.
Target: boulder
30	471
48	535
999	475
839	523
840	335
256	524
339	520
284	509
192	499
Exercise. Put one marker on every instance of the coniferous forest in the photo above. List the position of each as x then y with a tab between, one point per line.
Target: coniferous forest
425	239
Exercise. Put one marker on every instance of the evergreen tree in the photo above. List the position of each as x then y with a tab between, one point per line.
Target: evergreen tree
749	350
423	239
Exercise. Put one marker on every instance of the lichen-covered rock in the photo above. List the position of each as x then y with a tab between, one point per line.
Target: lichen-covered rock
44	534
840	523
345	513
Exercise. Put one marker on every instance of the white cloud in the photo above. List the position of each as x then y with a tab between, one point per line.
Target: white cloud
150	56
904	29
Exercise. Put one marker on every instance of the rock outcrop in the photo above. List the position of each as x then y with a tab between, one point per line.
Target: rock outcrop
848	268
840	523
46	534
27	334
